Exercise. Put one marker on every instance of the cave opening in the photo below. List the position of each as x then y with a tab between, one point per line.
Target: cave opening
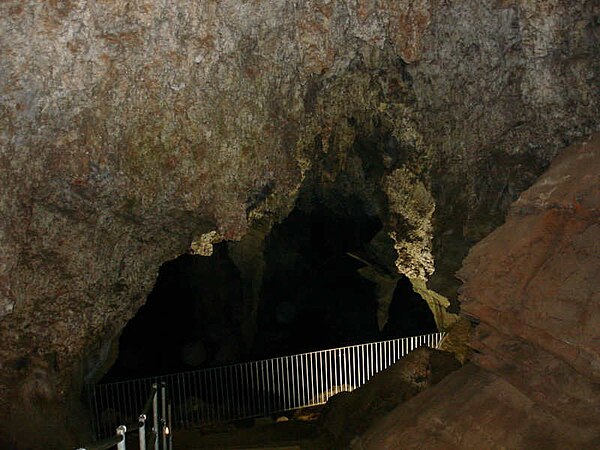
315	294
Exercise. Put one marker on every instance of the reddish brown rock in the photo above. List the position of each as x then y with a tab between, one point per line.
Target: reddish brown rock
474	409
349	414
534	286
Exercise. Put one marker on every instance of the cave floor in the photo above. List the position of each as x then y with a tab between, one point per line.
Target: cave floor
290	435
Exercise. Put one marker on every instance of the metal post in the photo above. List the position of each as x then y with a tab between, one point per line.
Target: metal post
142	432
163	415
121	430
155	415
169	429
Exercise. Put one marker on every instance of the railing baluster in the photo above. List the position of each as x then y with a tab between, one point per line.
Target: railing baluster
344	370
288	378
256	396
366	363
205	399
282	383
201	393
330	384
321	376
246	389
369	349
340	370
216	400
311	377
373	359
300	381
354	366
224	404
318	378
236	392
272	387
306	379
193	398
277	384
292	384
309	388
263	389
348	367
200	381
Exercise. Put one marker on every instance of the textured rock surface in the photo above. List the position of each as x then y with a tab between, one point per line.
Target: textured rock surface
130	129
472	408
539	304
536	379
349	414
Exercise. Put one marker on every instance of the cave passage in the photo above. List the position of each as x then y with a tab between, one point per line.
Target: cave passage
312	297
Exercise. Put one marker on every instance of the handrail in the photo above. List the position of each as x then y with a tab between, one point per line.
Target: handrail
268	360
159	417
252	389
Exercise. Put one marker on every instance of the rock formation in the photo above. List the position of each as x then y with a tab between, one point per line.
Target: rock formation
349	414
132	132
533	286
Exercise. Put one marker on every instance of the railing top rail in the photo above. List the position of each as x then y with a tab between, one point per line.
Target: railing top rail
159	378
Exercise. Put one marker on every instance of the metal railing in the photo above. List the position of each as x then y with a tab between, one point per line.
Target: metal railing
159	436
253	389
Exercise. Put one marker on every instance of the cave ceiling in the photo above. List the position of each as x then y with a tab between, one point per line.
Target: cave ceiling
133	132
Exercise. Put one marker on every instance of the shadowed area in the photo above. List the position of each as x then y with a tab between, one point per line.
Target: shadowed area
313	297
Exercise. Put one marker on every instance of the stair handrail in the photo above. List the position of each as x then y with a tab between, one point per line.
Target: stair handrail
161	414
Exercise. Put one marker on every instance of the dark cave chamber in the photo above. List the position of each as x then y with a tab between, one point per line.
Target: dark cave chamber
191	318
313	297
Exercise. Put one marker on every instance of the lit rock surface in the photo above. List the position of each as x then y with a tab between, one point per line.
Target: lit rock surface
133	131
534	285
349	414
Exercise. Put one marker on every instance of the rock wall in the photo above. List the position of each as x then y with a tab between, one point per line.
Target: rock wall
129	130
533	285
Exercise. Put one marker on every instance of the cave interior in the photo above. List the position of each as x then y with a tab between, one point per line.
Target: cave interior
312	297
